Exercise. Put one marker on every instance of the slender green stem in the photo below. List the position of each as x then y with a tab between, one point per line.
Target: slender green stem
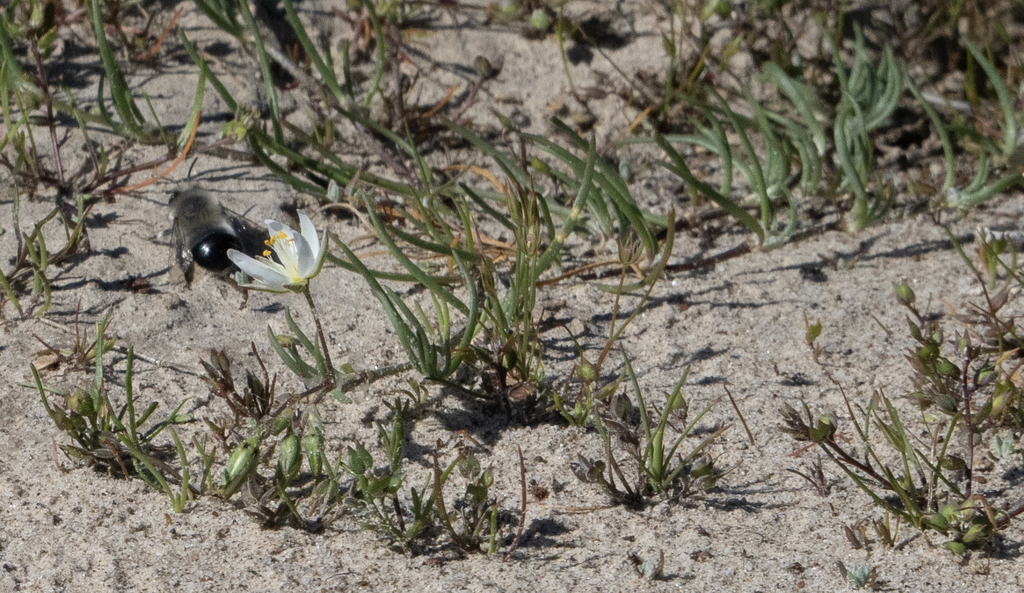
331	378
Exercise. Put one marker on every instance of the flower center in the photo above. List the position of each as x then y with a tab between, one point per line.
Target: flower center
272	242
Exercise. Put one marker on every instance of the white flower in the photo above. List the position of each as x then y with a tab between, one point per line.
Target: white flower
299	257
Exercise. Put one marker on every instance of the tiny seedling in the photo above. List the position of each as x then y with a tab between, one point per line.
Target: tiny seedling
859	575
473	520
811	337
374	494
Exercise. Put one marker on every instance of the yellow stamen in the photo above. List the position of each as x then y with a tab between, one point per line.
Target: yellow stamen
280	236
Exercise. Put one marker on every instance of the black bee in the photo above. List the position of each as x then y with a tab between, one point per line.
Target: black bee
204	230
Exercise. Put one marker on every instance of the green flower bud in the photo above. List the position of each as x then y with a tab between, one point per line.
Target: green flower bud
241	465
282	421
936	521
823	430
510	359
540	20
947	368
314	445
482	66
540	166
915	331
986	375
904	294
975	531
703	469
289	460
998	402
81	403
927	352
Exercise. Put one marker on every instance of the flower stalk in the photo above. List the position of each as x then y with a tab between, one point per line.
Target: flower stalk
331	379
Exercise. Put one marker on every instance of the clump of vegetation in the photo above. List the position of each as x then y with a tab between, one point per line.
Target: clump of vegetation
653	464
34	26
111	436
804	136
967	388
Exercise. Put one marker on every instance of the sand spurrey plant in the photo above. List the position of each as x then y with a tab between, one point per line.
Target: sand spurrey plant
966	389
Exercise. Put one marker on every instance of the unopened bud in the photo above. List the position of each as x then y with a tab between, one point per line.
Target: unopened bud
290	459
241	465
314	443
904	294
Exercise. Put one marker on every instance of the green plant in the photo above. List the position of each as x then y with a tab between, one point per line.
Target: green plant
648	569
966	388
261	427
112	436
859	575
813	331
374	493
442	223
791	132
471	522
1005	151
579	393
34	258
785	141
503	317
474	522
653	465
34	26
440	220
923	481
870	93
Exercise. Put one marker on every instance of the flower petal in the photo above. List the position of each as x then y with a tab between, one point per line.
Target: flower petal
309	232
320	258
265	274
305	262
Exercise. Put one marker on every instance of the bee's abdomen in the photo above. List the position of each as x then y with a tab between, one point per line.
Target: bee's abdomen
211	252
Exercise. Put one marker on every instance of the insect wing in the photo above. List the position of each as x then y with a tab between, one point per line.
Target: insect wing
184	263
252	237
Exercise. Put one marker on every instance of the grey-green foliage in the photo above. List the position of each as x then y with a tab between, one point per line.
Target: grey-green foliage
870	92
616	205
991	152
792	133
785	142
441	219
504	317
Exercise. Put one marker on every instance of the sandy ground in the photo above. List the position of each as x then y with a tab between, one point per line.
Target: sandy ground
69	528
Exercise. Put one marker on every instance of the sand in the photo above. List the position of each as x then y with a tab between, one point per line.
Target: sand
740	323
